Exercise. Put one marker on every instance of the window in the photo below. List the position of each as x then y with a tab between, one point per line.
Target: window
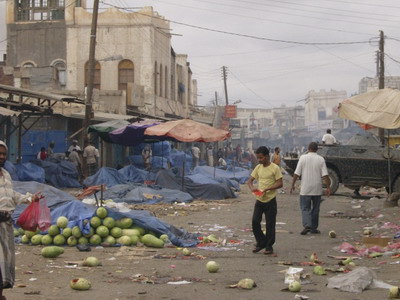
39	10
126	74
96	77
59	73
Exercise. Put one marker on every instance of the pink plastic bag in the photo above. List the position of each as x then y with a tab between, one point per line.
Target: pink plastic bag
44	220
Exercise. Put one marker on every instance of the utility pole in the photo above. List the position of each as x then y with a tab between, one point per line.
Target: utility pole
226	89
381	62
91	66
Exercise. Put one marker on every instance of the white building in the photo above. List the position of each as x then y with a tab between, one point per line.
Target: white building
321	108
369	84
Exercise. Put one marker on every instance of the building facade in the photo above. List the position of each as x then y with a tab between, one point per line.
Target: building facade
137	70
322	107
369	84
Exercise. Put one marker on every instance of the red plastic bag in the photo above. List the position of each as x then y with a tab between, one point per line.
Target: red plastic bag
36	215
28	220
44	215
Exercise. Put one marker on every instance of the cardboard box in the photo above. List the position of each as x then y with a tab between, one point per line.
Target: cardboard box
376	241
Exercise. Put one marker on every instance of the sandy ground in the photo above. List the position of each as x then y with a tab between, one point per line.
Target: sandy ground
144	273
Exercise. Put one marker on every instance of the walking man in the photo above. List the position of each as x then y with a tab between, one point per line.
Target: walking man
312	169
269	178
92	156
8	200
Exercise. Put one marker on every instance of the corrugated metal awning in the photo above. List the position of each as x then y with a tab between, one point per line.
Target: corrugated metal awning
101	116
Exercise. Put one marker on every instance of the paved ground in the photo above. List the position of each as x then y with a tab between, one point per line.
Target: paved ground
135	273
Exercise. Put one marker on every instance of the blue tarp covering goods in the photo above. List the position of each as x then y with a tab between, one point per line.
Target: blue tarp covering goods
63	204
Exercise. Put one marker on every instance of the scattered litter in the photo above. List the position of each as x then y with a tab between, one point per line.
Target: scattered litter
361	278
111	258
179	282
32	279
356	206
301	297
296	274
32	293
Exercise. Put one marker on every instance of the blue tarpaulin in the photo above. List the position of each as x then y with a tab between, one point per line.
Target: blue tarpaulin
59	173
143	194
30	172
107	176
10	167
237	173
63	204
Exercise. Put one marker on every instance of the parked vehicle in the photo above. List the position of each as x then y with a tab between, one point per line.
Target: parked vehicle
358	165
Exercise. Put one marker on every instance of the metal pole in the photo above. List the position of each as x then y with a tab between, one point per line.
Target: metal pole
91	69
388	151
382	75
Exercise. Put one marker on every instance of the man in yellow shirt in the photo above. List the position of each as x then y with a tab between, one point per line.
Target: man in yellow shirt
269	178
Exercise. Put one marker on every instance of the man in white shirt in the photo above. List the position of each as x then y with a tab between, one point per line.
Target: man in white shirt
196	156
74	146
92	156
328	138
312	169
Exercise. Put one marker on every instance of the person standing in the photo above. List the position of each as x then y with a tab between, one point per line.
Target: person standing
8	200
50	149
91	154
239	153
276	157
74	146
312	169
269	179
76	160
328	138
210	156
146	155
196	156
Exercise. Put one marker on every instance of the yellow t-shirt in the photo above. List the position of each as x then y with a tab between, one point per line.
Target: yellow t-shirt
266	177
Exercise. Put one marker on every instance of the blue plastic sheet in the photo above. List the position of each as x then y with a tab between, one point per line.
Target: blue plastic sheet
143	194
133	174
107	176
237	173
180	157
30	172
205	179
157	162
59	173
63	204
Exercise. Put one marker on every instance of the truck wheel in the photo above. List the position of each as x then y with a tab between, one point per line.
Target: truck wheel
334	180
396	185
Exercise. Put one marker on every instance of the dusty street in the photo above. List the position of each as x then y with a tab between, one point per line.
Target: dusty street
143	273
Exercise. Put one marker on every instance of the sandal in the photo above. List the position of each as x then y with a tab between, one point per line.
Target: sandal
268	252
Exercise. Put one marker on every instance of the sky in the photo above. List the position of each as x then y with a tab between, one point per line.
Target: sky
276	51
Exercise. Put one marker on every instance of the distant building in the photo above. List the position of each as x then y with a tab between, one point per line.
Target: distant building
321	108
369	84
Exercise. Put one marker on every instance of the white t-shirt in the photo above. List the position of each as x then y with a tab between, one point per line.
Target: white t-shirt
329	139
196	152
311	167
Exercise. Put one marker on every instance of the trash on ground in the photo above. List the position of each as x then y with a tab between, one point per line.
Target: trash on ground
361	278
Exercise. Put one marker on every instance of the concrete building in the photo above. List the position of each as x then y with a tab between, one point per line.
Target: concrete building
369	84
137	70
321	108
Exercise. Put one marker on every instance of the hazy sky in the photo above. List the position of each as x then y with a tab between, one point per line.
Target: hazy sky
265	73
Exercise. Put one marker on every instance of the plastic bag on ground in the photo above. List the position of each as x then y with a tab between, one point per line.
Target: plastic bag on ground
356	281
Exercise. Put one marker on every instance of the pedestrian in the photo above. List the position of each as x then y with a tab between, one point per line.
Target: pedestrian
8	200
196	156
42	154
50	149
276	157
74	146
146	155
269	178
92	157
210	156
222	163
312	169
328	138
220	153
76	160
239	153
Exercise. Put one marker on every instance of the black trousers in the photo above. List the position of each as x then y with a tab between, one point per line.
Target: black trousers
269	209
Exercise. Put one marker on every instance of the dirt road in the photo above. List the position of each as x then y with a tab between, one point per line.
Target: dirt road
143	273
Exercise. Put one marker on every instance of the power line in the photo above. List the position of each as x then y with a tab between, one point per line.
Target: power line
364	4
247	35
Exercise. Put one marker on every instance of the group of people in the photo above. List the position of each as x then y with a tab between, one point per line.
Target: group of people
73	154
312	169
